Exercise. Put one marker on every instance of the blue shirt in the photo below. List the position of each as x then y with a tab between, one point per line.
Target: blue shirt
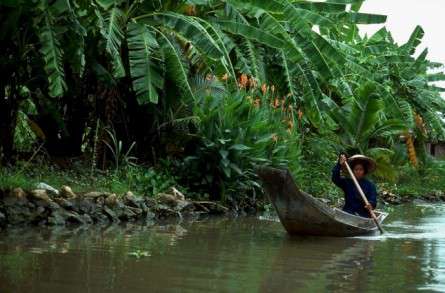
353	201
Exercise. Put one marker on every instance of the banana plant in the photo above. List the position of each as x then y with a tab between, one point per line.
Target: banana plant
363	127
404	82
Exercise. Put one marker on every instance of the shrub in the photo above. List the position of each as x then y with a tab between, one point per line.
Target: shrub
235	134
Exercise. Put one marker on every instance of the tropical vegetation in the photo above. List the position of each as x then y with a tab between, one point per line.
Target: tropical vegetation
198	93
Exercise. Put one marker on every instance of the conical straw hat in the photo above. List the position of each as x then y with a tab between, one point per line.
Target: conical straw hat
370	163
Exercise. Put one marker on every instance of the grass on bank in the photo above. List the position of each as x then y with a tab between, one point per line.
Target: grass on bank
429	180
140	180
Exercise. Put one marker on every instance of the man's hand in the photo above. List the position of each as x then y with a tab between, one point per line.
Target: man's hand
342	160
369	207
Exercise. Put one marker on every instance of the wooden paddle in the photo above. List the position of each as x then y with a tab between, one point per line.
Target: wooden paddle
362	194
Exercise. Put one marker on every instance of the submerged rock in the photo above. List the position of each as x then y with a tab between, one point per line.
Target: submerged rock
111	215
135	211
66	204
150	216
84	205
163	212
62	217
419	201
57	218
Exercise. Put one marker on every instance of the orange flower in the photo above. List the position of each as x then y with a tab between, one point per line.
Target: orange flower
276	103
264	88
190	10
275	137
225	77
290	124
252	82
300	114
257	103
243	80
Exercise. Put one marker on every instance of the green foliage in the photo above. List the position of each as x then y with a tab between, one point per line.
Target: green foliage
141	180
52	54
150	181
197	66
146	78
426	181
236	135
112	29
361	120
24	137
122	158
319	156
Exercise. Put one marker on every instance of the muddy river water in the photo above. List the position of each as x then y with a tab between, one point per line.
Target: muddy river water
252	254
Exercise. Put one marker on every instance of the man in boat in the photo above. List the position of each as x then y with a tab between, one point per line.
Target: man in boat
361	166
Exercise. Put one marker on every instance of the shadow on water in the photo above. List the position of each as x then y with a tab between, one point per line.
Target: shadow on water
227	255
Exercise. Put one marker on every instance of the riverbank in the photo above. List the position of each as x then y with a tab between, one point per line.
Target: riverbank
45	194
48	206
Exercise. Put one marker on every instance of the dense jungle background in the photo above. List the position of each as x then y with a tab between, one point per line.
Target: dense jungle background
144	95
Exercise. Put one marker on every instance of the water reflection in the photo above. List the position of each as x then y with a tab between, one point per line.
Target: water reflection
310	264
228	255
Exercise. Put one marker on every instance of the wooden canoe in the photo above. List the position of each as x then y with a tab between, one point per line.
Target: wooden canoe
302	214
